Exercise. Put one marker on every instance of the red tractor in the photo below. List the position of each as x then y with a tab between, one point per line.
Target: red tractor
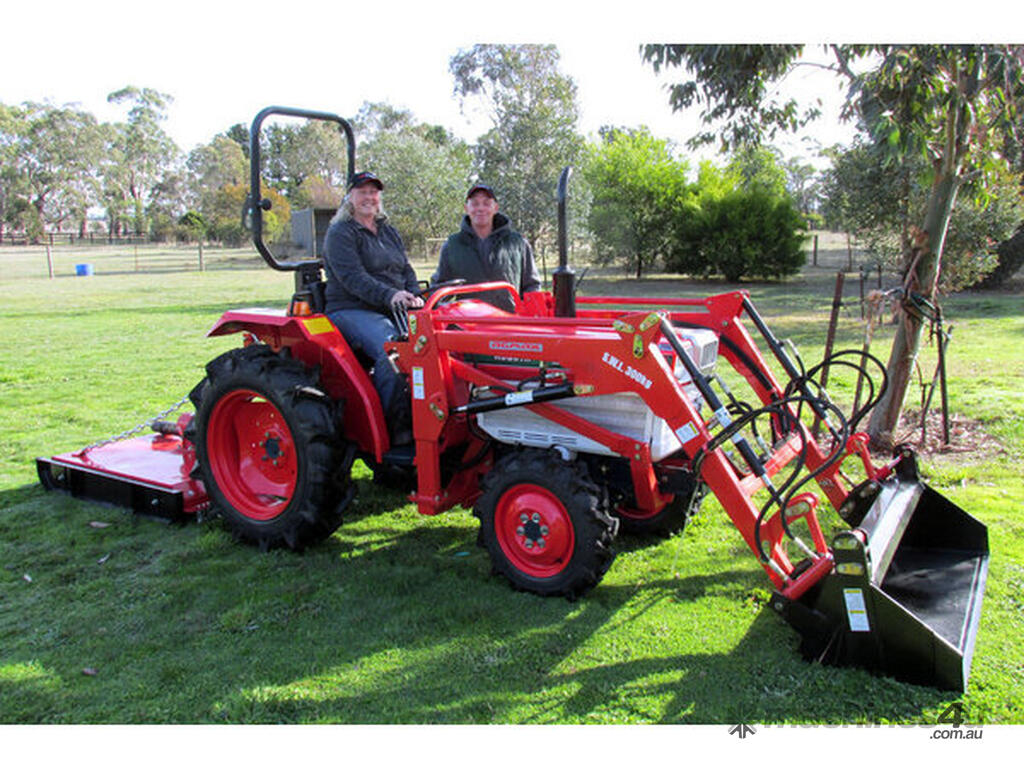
562	424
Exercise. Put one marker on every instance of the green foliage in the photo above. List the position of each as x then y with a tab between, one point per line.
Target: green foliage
534	112
49	158
637	189
758	168
225	217
140	152
733	83
743	233
425	168
879	203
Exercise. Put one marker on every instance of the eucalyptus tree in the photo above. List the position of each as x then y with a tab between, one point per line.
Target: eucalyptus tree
142	149
953	105
534	111
50	154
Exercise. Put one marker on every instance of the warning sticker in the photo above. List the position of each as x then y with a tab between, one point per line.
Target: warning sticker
856	610
686	433
418	392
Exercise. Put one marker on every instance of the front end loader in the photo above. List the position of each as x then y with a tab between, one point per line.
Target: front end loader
563	424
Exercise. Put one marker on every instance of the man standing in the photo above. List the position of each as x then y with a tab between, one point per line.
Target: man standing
487	249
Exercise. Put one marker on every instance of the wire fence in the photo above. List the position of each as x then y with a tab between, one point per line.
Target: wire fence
83	259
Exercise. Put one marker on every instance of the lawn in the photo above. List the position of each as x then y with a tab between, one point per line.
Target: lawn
107	618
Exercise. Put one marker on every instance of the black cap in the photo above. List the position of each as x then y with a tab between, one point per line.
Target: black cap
481	188
364	177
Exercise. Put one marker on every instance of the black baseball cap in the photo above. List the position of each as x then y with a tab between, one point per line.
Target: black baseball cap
481	188
364	177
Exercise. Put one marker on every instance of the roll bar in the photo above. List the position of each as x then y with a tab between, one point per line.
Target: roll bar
255	204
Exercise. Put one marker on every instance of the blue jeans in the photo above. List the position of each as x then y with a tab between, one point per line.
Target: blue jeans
367	330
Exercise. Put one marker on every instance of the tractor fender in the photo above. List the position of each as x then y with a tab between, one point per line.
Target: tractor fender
315	341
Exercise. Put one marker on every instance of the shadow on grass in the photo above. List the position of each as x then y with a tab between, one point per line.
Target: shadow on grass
394	619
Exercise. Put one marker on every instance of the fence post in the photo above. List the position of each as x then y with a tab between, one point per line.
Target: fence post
815	250
830	338
201	266
49	261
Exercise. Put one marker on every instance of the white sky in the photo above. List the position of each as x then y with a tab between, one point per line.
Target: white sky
224	61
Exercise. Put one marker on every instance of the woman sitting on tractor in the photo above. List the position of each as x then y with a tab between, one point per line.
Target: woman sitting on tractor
368	273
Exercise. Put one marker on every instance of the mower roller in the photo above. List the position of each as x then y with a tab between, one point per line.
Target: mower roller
562	424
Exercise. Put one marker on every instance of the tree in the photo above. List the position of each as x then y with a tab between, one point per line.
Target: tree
293	153
879	204
49	158
758	168
637	188
952	105
211	167
802	185
533	109
737	223
426	170
144	151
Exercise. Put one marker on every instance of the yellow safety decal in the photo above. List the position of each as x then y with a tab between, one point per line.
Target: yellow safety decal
316	325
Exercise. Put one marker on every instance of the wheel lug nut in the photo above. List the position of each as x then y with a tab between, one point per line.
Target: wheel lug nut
536	517
520	531
540	543
544	530
524	519
528	544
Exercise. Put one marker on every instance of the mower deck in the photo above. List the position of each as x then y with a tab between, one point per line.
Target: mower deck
149	475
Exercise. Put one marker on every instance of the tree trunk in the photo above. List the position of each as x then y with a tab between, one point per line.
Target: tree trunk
920	279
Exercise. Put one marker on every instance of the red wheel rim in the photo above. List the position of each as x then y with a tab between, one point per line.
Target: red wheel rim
251	454
534	530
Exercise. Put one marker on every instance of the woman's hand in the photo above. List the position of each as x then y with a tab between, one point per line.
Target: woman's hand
406	299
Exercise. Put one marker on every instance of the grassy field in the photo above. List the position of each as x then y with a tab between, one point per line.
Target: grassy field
396	618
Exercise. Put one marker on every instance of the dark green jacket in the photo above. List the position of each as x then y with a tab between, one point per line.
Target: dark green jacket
503	255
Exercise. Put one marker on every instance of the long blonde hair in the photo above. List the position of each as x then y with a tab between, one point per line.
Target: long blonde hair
346	211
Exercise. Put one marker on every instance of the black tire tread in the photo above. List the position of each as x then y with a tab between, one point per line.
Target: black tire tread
315	511
594	528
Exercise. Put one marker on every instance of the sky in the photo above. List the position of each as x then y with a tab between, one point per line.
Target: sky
224	61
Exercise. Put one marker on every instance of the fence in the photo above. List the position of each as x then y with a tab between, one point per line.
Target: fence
67	260
16	240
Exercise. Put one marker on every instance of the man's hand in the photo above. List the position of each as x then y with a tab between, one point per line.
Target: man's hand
407	299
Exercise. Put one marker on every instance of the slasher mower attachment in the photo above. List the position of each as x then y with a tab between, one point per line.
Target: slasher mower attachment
561	425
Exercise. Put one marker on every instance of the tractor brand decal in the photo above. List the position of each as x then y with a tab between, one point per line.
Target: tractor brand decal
418	392
686	433
856	610
515	346
317	325
626	370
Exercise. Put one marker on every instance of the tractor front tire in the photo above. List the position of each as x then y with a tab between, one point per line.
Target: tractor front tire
544	525
269	449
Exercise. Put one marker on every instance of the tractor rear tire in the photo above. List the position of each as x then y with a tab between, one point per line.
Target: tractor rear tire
269	449
544	524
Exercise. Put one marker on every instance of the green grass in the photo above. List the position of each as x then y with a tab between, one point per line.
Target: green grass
396	618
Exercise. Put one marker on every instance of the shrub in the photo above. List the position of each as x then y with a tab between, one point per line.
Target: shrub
739	234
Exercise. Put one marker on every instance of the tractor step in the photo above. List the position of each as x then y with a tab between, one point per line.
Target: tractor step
148	475
904	597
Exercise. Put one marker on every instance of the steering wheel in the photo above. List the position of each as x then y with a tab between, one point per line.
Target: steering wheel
429	289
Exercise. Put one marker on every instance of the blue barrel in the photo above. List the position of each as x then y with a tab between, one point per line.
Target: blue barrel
83	270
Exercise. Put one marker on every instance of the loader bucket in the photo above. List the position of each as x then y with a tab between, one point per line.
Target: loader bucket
904	596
